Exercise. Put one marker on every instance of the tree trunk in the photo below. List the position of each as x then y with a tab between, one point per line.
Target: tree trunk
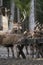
12	14
32	17
18	15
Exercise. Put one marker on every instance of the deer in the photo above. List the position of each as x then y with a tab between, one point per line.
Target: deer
9	40
38	34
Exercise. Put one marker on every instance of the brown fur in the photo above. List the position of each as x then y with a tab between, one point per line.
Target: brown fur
9	38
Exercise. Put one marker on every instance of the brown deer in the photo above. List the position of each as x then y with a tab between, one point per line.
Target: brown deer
38	34
10	39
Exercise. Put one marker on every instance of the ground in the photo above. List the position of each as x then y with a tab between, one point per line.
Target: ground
20	62
12	61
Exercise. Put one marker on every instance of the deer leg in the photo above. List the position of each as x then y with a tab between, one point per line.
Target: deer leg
26	49
20	50
8	51
12	51
37	52
32	50
41	52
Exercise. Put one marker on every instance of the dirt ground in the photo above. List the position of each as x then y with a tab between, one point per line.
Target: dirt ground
11	61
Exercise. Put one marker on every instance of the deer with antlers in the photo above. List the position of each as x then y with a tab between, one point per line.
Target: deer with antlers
9	39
